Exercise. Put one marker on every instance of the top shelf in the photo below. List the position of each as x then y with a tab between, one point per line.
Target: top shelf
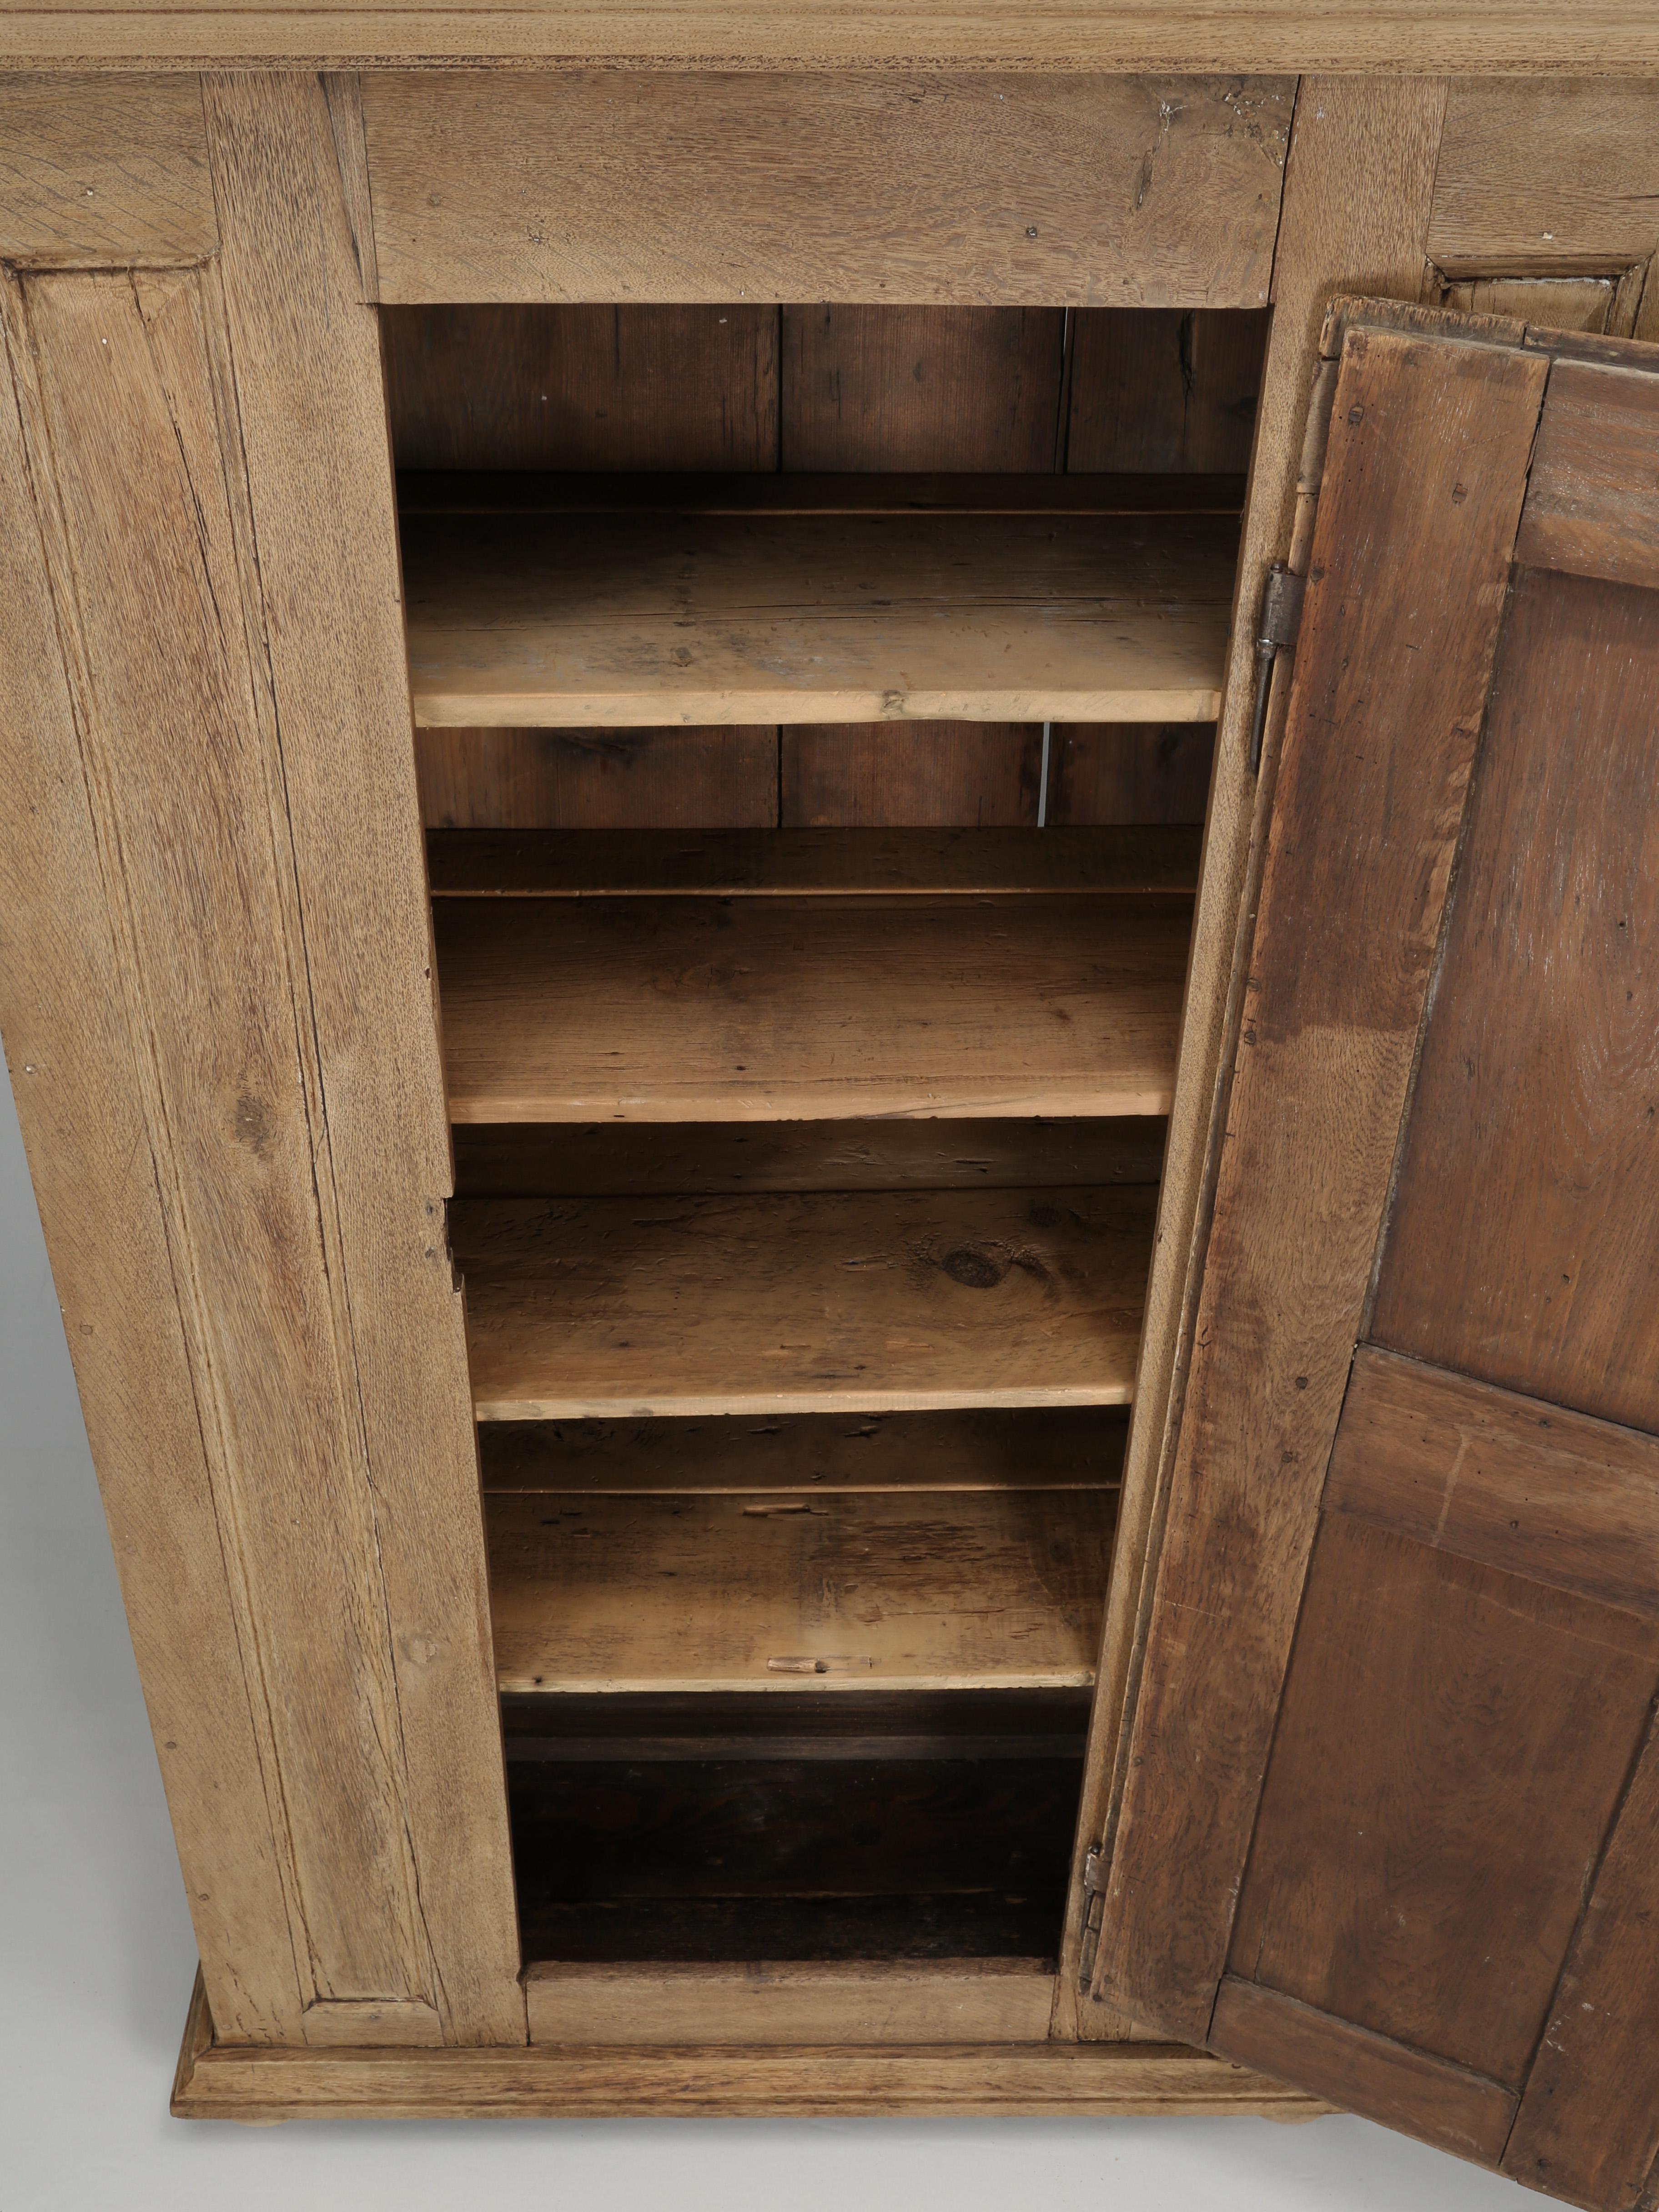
651	615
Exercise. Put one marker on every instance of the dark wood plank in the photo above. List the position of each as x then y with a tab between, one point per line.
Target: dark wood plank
1452	1748
1588	2129
1352	896
1522	1243
767	1009
872	1303
939	188
1129	772
1443	2105
974	388
1029	1447
632	386
876	491
692	778
1164	389
1593	501
1564	1500
691	1159
888	775
788	862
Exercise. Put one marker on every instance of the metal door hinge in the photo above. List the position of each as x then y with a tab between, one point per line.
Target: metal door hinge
1281	617
1094	1904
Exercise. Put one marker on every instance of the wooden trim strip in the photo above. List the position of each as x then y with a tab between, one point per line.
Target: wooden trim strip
1593	499
1562	1498
1371	2074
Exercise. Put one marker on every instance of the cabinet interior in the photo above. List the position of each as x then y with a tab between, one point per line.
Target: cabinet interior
815	709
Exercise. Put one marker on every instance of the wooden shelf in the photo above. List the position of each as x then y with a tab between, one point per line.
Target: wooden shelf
785	863
985	1589
686	1009
1034	1447
645	619
500	491
791	1304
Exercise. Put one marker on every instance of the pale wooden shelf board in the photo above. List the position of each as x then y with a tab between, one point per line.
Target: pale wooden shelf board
642	621
785	863
876	1301
942	1591
686	1010
1042	1448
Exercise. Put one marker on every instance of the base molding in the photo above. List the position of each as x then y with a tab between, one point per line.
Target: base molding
264	2083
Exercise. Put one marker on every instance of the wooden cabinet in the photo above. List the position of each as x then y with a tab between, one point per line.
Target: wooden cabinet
860	1286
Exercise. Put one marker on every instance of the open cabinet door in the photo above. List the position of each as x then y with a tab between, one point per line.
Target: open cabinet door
1390	1823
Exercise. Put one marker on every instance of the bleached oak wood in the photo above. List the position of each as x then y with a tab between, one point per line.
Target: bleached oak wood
1513	37
1357	194
311	436
782	863
644	621
1538	178
925	2001
799	1304
878	1590
817	1008
1042	191
103	169
352	2023
1063	1448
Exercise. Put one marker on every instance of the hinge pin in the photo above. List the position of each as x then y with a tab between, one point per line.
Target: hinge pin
1281	617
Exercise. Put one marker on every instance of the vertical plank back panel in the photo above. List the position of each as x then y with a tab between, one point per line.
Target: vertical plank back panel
1164	388
693	778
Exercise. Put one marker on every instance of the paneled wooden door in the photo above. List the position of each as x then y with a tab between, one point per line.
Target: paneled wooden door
1389	1828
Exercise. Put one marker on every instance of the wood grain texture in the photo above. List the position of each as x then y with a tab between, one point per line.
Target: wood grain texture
787	863
1423	475
623	387
1444	2105
819	1303
1513	1482
831	619
691	1159
305	354
1450	1751
1593	501
1529	1183
1164	389
101	169
1520	37
353	2023
75	1039
1106	773
1047	191
775	1009
872	491
872	1589
883	775
1034	1447
926	388
564	780
1358	187
1588	2129
1560	303
978	2001
1536	177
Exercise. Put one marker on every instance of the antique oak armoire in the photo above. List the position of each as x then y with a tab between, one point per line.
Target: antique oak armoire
829	931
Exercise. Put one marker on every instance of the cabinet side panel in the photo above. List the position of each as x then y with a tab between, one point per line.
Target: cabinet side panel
66	1019
318	485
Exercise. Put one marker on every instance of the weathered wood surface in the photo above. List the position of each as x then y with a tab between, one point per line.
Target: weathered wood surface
1004	2001
1051	191
791	862
658	487
881	1590
629	622
1527	1196
1518	37
1593	499
704	778
1424	477
1568	1502
821	1008
802	1304
103	169
1034	1447
1535	177
1355	216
